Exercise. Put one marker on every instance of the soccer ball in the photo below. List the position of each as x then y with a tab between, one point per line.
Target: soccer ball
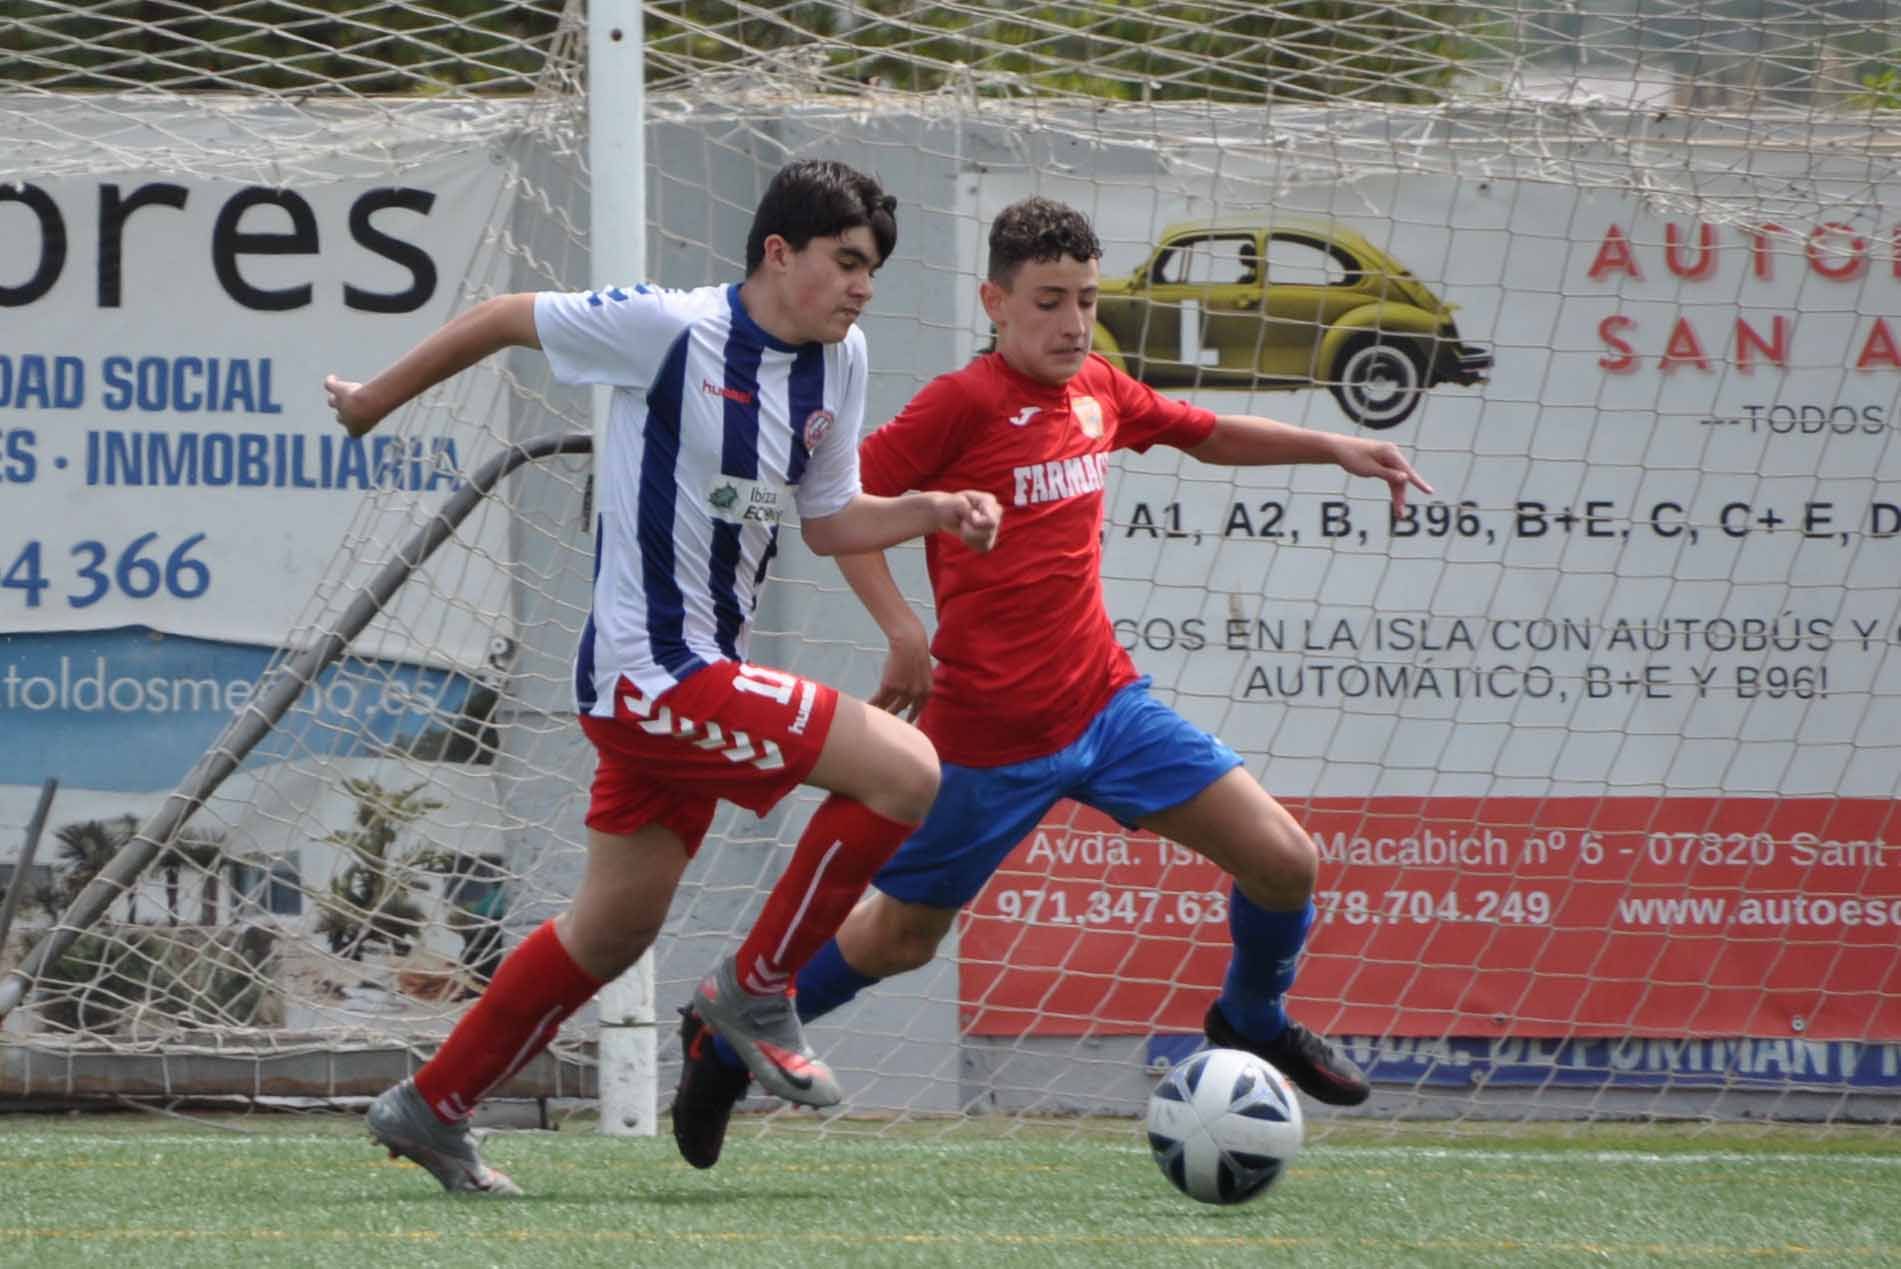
1224	1125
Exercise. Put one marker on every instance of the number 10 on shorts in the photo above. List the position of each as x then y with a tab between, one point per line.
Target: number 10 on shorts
778	686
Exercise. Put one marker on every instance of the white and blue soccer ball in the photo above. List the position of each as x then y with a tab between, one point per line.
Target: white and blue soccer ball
1224	1125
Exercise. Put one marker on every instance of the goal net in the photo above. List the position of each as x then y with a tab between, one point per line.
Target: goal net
1594	740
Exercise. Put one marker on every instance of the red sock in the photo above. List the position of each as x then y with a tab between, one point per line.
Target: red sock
536	989
840	850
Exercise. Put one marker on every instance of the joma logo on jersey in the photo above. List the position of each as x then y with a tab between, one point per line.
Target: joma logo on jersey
1062	478
737	395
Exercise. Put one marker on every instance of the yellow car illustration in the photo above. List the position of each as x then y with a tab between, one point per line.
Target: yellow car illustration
1287	305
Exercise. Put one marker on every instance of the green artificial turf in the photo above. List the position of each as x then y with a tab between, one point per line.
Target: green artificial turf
266	1191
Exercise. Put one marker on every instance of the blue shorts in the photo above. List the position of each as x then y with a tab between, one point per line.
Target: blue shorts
1138	757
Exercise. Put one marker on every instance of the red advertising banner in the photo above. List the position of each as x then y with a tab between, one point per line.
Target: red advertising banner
1472	917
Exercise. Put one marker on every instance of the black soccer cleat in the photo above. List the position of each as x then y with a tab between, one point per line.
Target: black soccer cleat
1313	1065
709	1089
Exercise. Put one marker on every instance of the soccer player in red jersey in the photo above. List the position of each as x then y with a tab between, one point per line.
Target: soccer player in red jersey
1033	700
731	405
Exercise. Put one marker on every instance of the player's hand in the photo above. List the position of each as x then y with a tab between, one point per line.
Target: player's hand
977	515
347	400
1383	461
907	676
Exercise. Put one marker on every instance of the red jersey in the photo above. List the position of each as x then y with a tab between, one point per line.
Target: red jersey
1025	653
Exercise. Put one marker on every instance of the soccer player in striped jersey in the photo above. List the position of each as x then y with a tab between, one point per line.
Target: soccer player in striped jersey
1032	699
732	406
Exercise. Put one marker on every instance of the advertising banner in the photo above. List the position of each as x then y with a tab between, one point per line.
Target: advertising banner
177	493
1599	739
166	452
1558	917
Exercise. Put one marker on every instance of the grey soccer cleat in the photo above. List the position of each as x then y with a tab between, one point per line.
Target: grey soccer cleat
401	1121
765	1032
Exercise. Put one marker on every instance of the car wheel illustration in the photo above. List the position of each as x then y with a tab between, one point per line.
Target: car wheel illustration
1378	384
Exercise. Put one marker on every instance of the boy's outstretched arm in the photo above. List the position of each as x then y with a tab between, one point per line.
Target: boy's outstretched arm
871	523
507	321
1246	440
907	668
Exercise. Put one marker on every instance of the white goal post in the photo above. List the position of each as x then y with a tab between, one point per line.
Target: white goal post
1598	742
628	1052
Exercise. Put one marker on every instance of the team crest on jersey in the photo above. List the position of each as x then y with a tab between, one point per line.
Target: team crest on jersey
1088	412
817	424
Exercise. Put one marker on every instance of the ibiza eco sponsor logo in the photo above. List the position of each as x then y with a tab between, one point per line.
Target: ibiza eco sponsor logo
740	501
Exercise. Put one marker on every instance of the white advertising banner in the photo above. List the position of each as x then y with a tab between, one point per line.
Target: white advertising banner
1565	728
1662	549
166	456
176	494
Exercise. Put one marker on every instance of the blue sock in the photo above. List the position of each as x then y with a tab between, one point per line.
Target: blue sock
825	983
724	1054
1266	954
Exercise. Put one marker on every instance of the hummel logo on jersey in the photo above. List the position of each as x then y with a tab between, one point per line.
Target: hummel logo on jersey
737	395
1022	417
807	694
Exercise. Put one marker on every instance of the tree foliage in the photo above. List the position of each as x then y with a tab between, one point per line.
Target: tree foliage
85	847
1228	50
1113	49
369	900
414	47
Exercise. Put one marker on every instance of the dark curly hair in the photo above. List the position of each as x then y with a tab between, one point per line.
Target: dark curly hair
821	198
1039	229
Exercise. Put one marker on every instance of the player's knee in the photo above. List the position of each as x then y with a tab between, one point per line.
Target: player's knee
885	936
908	951
912	938
905	790
1302	863
1282	869
604	948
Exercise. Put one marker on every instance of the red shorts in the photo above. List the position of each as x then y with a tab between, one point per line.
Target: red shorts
736	731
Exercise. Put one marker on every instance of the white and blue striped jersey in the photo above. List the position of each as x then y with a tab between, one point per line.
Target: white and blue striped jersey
714	427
